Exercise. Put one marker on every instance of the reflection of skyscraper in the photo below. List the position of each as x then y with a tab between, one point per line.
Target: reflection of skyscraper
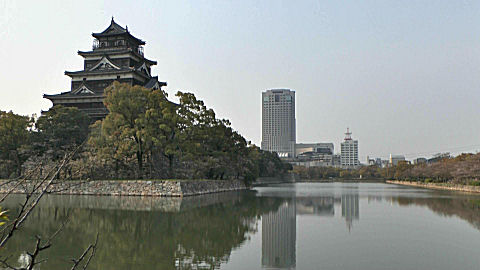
279	237
350	208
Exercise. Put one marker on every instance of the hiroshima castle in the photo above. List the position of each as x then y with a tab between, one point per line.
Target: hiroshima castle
116	55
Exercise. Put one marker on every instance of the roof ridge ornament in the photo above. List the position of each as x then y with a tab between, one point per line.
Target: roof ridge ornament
112	20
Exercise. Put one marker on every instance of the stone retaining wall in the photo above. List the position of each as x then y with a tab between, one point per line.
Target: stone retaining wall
178	188
452	187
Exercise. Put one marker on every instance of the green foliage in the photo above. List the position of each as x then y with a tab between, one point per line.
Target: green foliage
168	140
15	138
61	129
144	136
463	169
474	183
124	127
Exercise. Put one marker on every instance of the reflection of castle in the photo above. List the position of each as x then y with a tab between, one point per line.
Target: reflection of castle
350	208
279	237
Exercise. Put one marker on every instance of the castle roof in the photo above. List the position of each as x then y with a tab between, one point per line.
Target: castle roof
115	29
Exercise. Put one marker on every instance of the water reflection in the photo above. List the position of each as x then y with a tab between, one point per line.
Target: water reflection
187	236
318	206
279	232
350	207
203	232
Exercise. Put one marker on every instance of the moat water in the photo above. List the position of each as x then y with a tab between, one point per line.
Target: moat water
288	226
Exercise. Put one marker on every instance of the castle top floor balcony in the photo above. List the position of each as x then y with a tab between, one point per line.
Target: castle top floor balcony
116	44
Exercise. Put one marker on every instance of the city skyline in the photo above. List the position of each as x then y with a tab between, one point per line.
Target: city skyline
402	77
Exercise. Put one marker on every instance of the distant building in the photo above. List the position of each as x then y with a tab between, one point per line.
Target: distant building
278	122
420	160
395	159
116	55
370	162
385	163
308	160
438	157
313	155
337	160
349	152
321	148
375	162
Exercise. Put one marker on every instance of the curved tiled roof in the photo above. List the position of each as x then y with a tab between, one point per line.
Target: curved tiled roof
115	29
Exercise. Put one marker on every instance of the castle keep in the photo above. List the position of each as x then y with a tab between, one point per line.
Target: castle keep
116	55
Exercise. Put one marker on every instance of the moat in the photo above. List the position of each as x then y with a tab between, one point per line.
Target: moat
285	226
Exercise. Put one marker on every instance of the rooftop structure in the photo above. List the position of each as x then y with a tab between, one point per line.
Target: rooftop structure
116	55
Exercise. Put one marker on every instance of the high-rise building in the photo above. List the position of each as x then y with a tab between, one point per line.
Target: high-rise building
349	152
116	55
278	122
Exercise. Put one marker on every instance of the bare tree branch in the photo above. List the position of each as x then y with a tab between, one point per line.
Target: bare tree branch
93	248
25	211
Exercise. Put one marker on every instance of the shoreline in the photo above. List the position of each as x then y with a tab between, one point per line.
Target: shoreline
156	188
436	186
341	180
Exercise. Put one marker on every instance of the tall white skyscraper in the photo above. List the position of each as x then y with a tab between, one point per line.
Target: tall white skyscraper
349	152
278	122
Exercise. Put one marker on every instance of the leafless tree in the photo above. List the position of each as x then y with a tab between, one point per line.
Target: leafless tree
34	190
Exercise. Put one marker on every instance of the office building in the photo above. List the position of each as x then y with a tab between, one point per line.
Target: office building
313	155
349	152
320	148
395	159
278	122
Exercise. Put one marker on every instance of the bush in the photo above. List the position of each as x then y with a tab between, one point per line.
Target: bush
474	183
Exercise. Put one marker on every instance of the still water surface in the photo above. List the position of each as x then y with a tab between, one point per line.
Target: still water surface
288	226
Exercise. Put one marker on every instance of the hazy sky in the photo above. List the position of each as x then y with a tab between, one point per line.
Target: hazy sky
403	75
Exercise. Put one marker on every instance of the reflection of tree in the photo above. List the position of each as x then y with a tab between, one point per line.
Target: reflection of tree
467	208
194	238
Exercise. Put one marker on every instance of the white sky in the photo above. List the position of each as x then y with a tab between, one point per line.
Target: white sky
403	75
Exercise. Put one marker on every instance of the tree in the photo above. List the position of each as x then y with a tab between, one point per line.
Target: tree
124	126
15	135
61	129
161	122
183	140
